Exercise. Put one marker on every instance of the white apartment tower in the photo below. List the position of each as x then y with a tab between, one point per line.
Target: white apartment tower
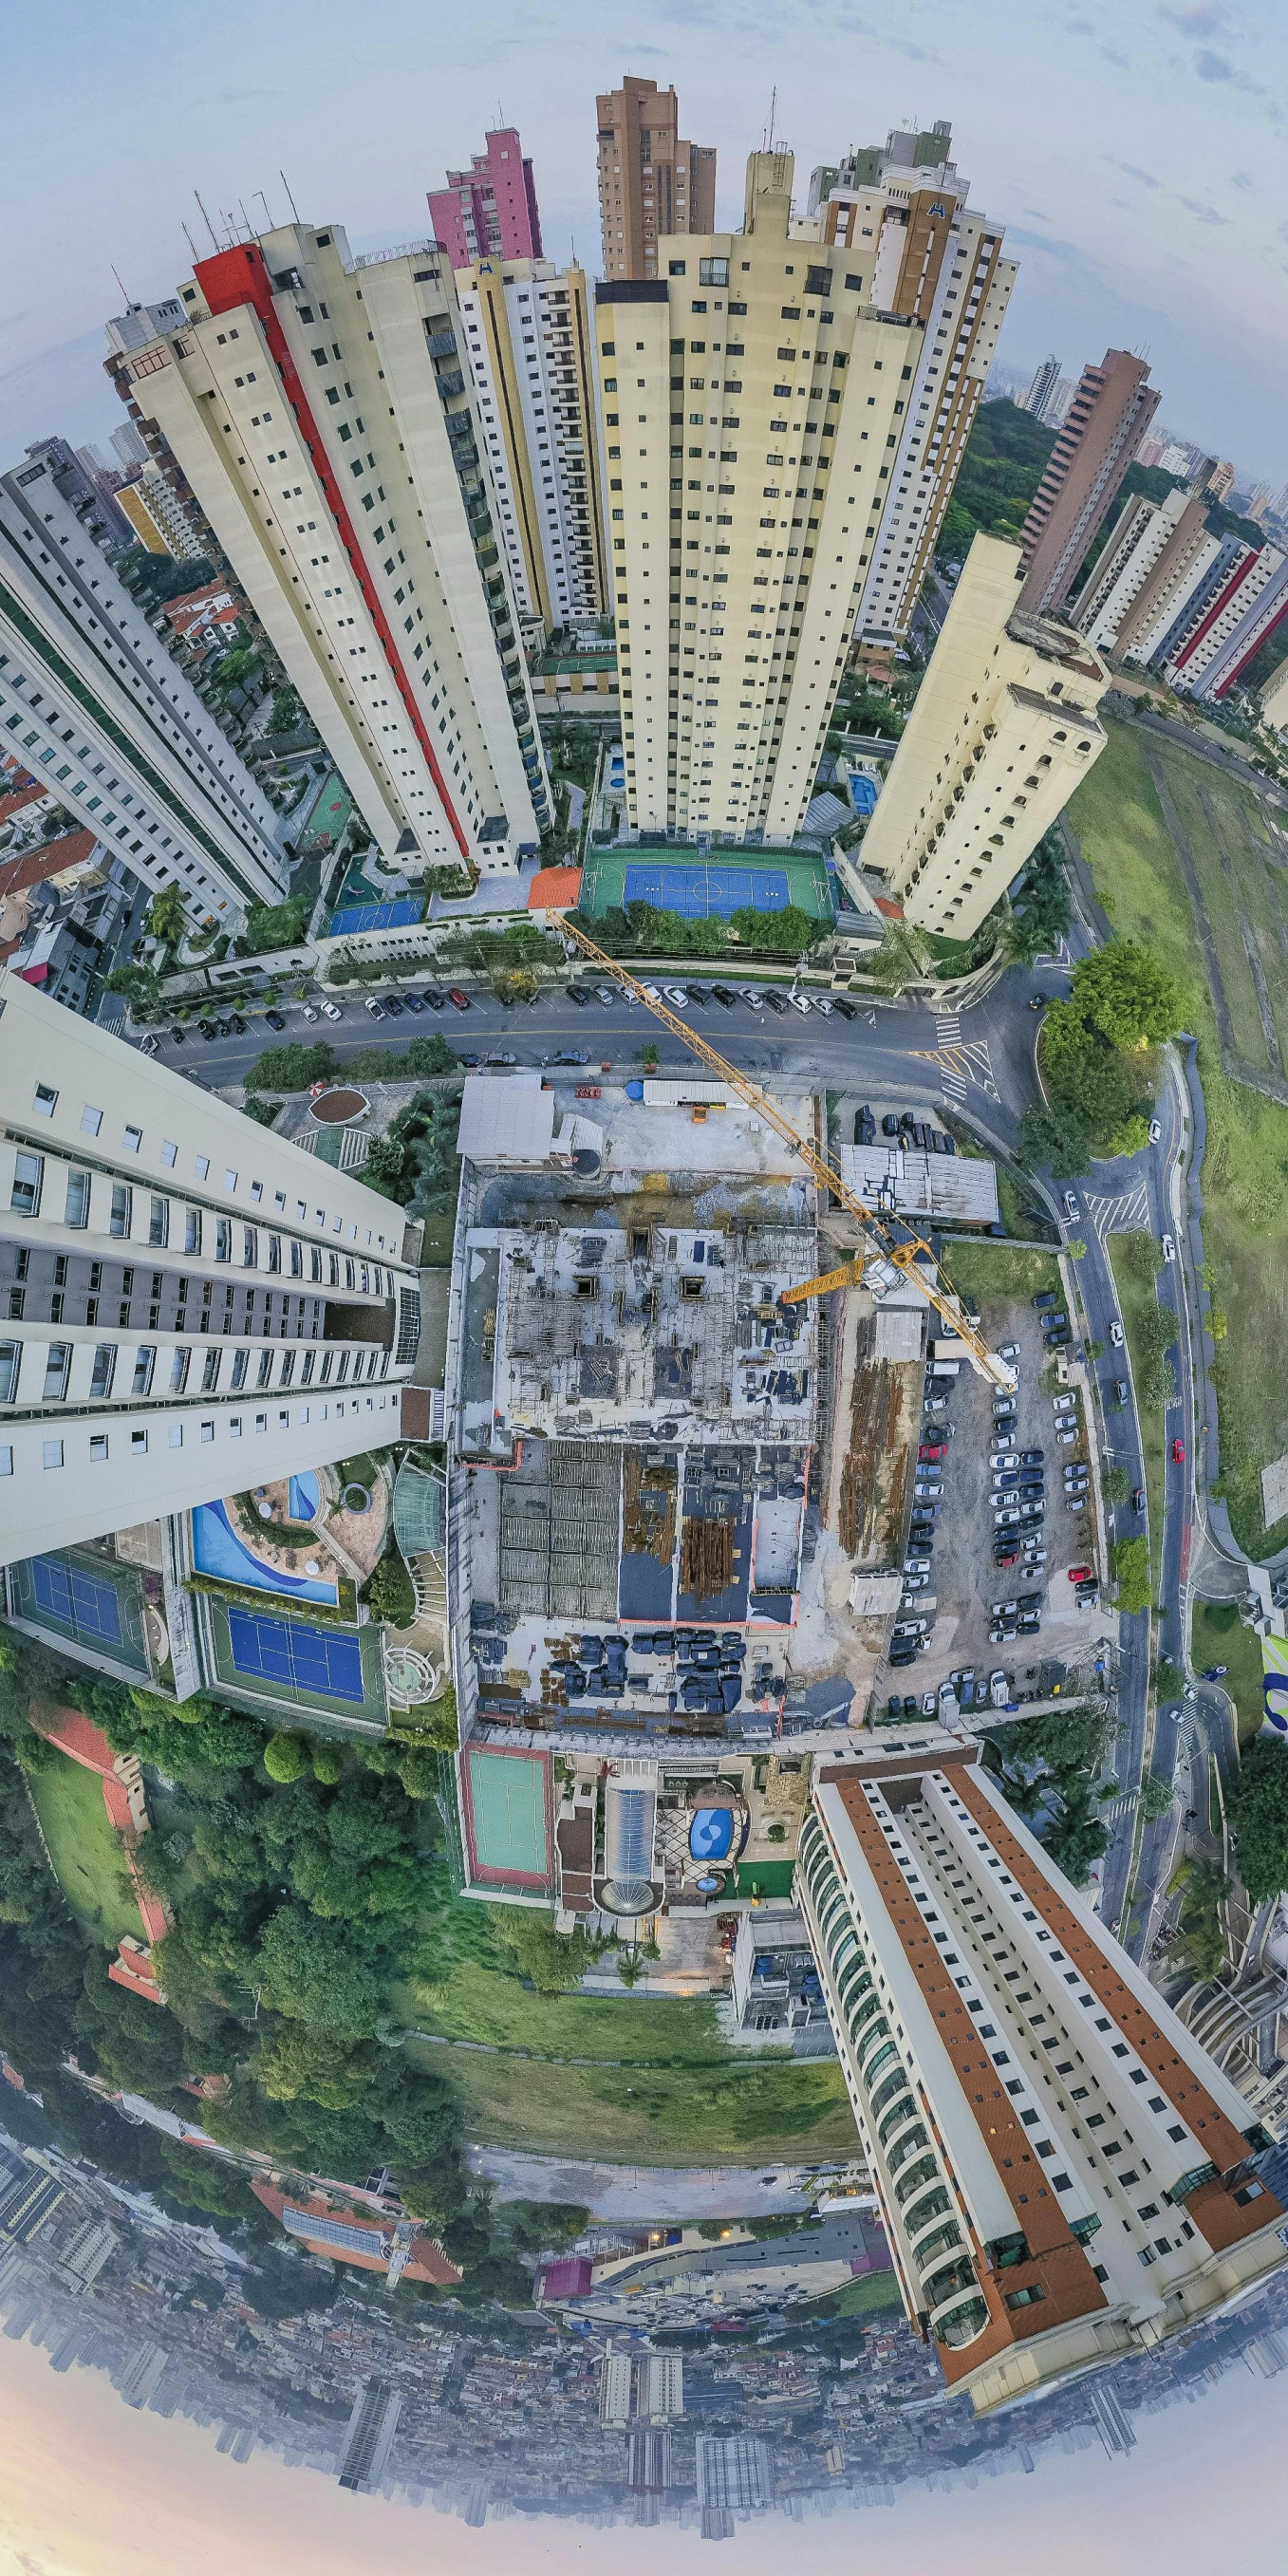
1064	2174
93	706
190	1303
753	405
527	337
1002	729
318	407
897	225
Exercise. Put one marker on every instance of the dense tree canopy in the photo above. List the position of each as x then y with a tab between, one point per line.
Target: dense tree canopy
1258	1804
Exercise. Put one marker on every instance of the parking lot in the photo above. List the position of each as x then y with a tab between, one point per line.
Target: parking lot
964	1582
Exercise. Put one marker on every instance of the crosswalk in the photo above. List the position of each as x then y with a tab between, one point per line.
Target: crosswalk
1119	1809
1126	1214
948	1028
963	1064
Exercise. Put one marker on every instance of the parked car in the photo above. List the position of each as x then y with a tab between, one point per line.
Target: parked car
459	1001
1065	1439
1138	1498
1116	1334
331	1011
149	1044
933	1449
928	1492
1070	1204
698	995
176	1036
1009	1351
377	1009
1045	1298
901	1656
1214	1672
720	993
206	1029
1064	1404
573	991
916	1565
998	1689
567	1055
433	999
413	1003
393	1006
916	1582
820	1002
307	1011
889	1124
910	1627
1178	1451
500	1055
1031	1457
865	1126
752	996
275	1019
677	997
1155	1131
1120	1392
848	1010
775	1001
800	1002
607	994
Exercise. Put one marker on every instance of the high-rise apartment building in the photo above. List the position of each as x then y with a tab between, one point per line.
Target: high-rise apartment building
1274	700
527	336
651	183
192	1304
753	402
157	516
1098	439
915	250
369	2436
319	408
92	704
490	210
1063	2173
1245	612
1145	550
87	489
1045	379
1002	729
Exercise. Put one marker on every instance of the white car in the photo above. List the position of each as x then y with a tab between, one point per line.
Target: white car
752	996
677	997
1065	1439
1169	1248
998	1689
377	1009
1009	1351
1064	1404
1155	1131
1070	1204
331	1010
910	1627
651	991
819	1004
1117	1335
606	993
799	1002
308	1011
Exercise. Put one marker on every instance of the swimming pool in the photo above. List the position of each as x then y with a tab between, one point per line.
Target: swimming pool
217	1550
302	1497
711	1833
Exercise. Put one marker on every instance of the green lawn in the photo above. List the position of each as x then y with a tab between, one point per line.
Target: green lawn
86	1854
982	1270
1125	842
872	2290
1135	1297
484	2003
746	2110
1211	1643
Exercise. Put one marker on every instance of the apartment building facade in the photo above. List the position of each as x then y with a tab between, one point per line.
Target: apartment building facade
319	409
490	210
1098	439
651	182
91	702
1064	2174
1001	731
527	336
1245	612
917	250
190	1304
752	406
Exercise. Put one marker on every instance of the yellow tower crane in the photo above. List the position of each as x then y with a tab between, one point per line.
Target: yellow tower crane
888	1236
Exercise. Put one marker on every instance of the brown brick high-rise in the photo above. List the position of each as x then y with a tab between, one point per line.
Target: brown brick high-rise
1098	439
650	181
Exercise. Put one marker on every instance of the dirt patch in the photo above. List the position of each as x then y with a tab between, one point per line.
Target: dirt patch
706	1558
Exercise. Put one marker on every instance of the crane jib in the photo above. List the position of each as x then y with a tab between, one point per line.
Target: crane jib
890	1237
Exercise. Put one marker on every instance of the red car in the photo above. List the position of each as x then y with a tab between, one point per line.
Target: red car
1079	1573
933	1449
1178	1452
458	1000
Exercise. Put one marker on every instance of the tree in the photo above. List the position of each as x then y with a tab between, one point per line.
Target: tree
1131	1565
554	1961
292	1068
326	1974
1115	1484
1054	1140
166	915
390	1592
273	925
385	1169
1125	994
1156	1795
286	1757
1258	1810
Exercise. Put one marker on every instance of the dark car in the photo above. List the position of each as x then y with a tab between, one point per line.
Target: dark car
848	1010
434	1001
1031	1457
567	1055
720	993
889	1124
275	1019
224	1028
1138	1498
698	995
865	1126
1045	1297
206	1029
176	1036
575	994
1214	1672
413	1003
468	1059
393	1006
774	1001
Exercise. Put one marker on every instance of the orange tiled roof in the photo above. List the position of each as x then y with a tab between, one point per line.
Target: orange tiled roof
554	890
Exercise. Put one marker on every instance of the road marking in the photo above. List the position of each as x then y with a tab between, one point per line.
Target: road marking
961	1063
948	1028
1126	1214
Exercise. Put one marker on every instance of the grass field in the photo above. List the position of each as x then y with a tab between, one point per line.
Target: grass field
742	2111
1135	1297
982	1270
870	2292
1138	878
1241	1650
703	2104
87	1857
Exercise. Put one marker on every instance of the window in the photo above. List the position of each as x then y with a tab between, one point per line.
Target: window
122	1209
297	1261
104	1370
207	1431
132	1139
159	1222
51	1453
210	1372
58	1361
250	1248
192	1230
223	1240
179	1370
91	1121
45	1101
275	1252
713	272
76	1210
169	1155
138	1444
98	1448
10	1361
28	1181
265	1369
201	1167
230	1180
241	1362
145	1360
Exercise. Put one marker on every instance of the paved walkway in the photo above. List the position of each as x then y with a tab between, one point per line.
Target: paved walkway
650	2194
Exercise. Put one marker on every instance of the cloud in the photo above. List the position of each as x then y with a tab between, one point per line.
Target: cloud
1242	179
1131	170
1197	19
1202	214
1214	67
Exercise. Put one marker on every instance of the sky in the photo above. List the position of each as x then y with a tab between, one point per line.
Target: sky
1136	155
92	2489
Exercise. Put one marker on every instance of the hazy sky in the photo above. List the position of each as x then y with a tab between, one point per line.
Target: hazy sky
1136	154
91	2489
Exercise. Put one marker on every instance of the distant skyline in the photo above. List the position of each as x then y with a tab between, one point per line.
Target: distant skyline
92	2489
1136	158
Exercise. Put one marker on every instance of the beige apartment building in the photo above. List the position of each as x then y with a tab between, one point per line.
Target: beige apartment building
1064	2174
752	407
319	408
915	248
527	336
651	183
1002	730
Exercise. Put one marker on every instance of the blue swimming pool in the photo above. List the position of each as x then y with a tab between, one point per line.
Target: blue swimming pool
711	1833
302	1497
217	1550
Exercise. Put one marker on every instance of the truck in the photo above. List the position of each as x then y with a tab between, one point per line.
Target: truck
947	1346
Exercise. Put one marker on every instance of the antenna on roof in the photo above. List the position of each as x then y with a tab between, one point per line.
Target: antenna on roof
773	115
290	199
246	218
264	203
190	242
205	218
121	282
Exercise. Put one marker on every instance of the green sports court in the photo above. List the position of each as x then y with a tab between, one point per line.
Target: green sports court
507	1815
328	816
88	1601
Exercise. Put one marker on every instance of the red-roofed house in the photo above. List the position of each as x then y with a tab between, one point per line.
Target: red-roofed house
554	890
132	1968
26	802
77	1736
200	615
327	2225
886	903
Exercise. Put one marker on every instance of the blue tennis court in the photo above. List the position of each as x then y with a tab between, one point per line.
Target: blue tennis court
697	892
303	1658
376	916
68	1593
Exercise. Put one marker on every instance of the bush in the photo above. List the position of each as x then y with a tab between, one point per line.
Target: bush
1258	1809
273	925
390	1592
293	1067
286	1757
262	1111
1131	1565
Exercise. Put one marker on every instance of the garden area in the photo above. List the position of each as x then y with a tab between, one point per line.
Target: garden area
1218	1636
87	1853
1135	1260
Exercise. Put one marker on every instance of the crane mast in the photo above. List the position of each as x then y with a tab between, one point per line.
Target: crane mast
894	1241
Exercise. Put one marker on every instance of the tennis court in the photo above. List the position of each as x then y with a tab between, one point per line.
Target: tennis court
298	1657
85	1602
508	1814
376	916
328	815
698	892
